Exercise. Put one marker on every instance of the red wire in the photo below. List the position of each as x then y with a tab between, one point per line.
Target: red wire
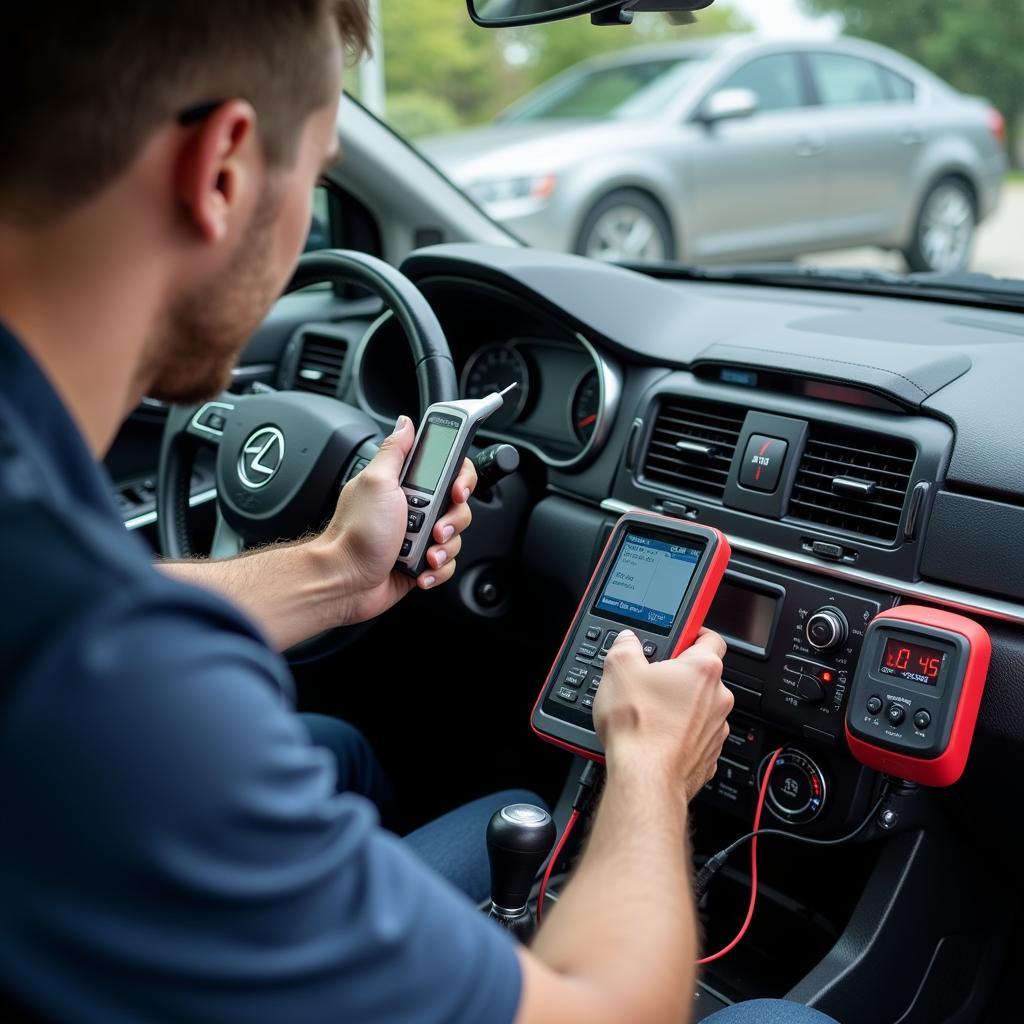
753	867
569	825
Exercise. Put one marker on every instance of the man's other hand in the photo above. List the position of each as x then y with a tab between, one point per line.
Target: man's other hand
365	535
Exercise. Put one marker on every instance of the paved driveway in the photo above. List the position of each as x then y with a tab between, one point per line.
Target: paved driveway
999	248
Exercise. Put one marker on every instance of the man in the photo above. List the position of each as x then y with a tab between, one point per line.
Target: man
174	847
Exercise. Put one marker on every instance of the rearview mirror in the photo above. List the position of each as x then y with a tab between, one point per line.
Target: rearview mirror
728	105
498	13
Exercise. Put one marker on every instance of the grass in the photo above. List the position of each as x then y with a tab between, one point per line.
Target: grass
1017	177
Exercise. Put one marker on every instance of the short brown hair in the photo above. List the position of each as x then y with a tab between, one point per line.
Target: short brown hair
84	84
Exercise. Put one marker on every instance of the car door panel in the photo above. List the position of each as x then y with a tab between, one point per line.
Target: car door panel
737	213
872	144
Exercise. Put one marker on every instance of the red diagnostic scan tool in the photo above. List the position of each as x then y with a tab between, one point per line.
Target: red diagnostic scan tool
916	693
656	576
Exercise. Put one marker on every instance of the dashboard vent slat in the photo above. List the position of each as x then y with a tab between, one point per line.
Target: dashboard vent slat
320	364
835	462
707	432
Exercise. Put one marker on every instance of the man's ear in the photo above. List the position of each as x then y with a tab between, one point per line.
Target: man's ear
219	165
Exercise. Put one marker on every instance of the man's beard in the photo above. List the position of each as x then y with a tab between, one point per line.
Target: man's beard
190	355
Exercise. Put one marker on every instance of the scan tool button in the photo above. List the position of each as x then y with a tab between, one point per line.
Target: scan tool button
566	694
415	501
650	649
406	547
415	521
593	632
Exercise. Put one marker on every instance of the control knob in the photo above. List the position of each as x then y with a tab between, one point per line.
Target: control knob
826	629
797	790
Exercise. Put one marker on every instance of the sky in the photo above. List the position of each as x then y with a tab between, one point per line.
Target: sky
784	18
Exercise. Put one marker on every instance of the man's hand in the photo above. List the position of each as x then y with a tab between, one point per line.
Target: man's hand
346	574
671	713
365	535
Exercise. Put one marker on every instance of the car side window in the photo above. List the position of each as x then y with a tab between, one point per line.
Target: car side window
899	89
774	79
322	232
842	80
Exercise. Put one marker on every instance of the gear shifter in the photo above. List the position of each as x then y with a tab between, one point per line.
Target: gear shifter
519	839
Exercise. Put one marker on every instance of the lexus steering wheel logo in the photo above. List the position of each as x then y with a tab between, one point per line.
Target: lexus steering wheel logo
261	457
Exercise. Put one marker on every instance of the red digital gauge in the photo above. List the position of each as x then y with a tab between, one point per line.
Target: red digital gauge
914	700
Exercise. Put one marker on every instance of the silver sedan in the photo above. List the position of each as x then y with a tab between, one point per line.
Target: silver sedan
738	149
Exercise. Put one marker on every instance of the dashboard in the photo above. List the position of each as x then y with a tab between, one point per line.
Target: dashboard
568	392
885	427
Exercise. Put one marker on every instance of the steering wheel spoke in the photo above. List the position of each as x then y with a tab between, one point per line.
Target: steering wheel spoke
226	541
207	422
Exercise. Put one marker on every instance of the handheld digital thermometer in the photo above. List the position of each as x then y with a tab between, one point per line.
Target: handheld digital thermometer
441	444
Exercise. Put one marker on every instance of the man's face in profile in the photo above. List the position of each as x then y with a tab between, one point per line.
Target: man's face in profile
203	329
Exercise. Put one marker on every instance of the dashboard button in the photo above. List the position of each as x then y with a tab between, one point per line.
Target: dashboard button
874	705
922	719
762	462
895	714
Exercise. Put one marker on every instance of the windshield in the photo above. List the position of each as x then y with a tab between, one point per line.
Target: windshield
800	136
625	90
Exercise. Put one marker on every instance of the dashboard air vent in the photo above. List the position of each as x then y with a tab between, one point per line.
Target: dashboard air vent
853	480
692	445
321	360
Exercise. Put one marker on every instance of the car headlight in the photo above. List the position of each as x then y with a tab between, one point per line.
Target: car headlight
502	190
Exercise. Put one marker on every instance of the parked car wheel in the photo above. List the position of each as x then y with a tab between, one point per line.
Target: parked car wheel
944	233
626	225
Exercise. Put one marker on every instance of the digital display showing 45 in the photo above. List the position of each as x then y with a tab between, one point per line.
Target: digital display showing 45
913	662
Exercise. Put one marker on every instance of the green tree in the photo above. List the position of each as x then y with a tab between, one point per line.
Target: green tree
976	45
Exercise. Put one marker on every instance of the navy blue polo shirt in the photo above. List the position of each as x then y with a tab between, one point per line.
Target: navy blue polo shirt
172	846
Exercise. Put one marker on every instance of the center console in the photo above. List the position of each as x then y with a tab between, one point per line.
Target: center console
794	646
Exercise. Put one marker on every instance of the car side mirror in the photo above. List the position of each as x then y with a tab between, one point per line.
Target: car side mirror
728	105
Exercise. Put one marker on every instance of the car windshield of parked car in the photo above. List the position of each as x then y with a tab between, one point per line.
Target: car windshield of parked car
623	90
839	138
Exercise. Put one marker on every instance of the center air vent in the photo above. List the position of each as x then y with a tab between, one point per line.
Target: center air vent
853	480
692	445
321	360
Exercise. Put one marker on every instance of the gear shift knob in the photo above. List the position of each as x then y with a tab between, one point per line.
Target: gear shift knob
519	839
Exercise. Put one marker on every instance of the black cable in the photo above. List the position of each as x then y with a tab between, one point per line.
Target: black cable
714	864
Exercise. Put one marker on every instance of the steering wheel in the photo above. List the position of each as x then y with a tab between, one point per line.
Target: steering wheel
283	456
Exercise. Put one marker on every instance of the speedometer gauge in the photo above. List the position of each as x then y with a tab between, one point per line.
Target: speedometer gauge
586	405
493	368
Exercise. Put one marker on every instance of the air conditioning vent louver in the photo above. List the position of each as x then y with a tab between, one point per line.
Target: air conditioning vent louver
692	445
321	360
853	480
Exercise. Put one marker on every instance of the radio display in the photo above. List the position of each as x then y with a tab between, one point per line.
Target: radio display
915	663
742	613
648	582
